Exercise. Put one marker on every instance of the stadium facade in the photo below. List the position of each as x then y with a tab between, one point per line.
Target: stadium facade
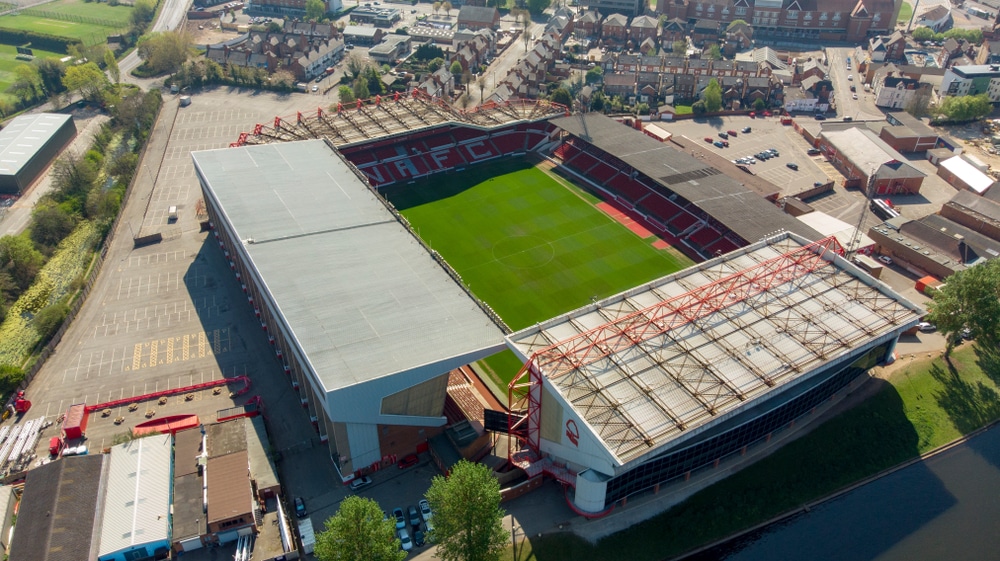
366	319
670	377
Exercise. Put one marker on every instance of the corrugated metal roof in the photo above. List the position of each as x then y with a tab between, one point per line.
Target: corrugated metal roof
867	152
642	397
262	468
24	136
969	174
137	506
361	295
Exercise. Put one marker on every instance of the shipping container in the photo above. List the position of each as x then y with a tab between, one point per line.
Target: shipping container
307	535
75	424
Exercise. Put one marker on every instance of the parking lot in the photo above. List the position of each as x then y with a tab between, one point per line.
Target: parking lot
767	132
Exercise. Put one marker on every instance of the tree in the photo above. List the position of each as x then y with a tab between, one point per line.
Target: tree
468	522
428	51
923	34
965	108
595	74
538	6
73	177
142	13
562	96
10	377
354	67
48	319
20	259
27	84
969	300
456	69
436	7
734	23
111	63
361	90
464	100
358	532
698	107
598	102
315	9
87	80
164	52
50	224
714	53
679	48
446	6
51	71
712	96
920	105
434	64
345	94
759	104
481	82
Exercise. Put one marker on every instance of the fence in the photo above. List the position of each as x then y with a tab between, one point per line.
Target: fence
95	270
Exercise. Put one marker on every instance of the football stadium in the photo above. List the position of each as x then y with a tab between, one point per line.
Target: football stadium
663	316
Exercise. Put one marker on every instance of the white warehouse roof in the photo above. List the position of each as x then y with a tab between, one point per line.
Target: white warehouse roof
137	506
649	368
968	174
26	135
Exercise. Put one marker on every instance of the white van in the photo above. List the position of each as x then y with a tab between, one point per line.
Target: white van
172	214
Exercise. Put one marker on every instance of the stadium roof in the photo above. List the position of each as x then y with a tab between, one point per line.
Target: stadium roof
24	136
56	517
650	368
363	297
743	211
137	505
396	115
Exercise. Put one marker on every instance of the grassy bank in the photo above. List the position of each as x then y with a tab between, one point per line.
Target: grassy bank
923	405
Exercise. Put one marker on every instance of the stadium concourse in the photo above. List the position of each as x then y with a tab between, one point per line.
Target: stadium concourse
615	398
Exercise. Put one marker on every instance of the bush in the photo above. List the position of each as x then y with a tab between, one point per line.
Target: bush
48	320
10	377
38	40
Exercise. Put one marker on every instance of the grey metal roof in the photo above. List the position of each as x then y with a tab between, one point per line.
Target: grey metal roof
137	505
644	379
56	517
24	136
743	211
360	293
262	468
868	153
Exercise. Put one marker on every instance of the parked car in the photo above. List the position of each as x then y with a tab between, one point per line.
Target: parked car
792	165
813	152
820	117
414	515
425	509
885	259
854	96
709	139
404	540
731	133
315	88
360	482
409	460
926	327
300	507
397	513
853	88
418	538
850	78
719	144
746	130
848	119
723	135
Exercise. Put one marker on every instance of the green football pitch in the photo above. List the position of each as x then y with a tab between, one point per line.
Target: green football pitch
527	243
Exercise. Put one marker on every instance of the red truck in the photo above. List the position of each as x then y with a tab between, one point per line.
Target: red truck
75	423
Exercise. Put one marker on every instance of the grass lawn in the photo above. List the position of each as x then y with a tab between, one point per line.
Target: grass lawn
683	109
924	404
118	14
114	19
8	63
527	244
905	12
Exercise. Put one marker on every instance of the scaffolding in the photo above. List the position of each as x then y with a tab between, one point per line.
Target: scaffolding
399	114
716	337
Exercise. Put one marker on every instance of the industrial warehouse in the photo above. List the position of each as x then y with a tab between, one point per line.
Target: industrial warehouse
28	144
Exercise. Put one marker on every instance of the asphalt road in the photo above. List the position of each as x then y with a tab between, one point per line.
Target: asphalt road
864	106
171	17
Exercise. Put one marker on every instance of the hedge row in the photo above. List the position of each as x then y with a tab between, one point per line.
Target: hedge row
42	41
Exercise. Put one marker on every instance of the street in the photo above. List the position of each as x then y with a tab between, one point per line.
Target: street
864	107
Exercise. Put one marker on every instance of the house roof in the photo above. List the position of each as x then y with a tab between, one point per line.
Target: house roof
645	22
478	14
